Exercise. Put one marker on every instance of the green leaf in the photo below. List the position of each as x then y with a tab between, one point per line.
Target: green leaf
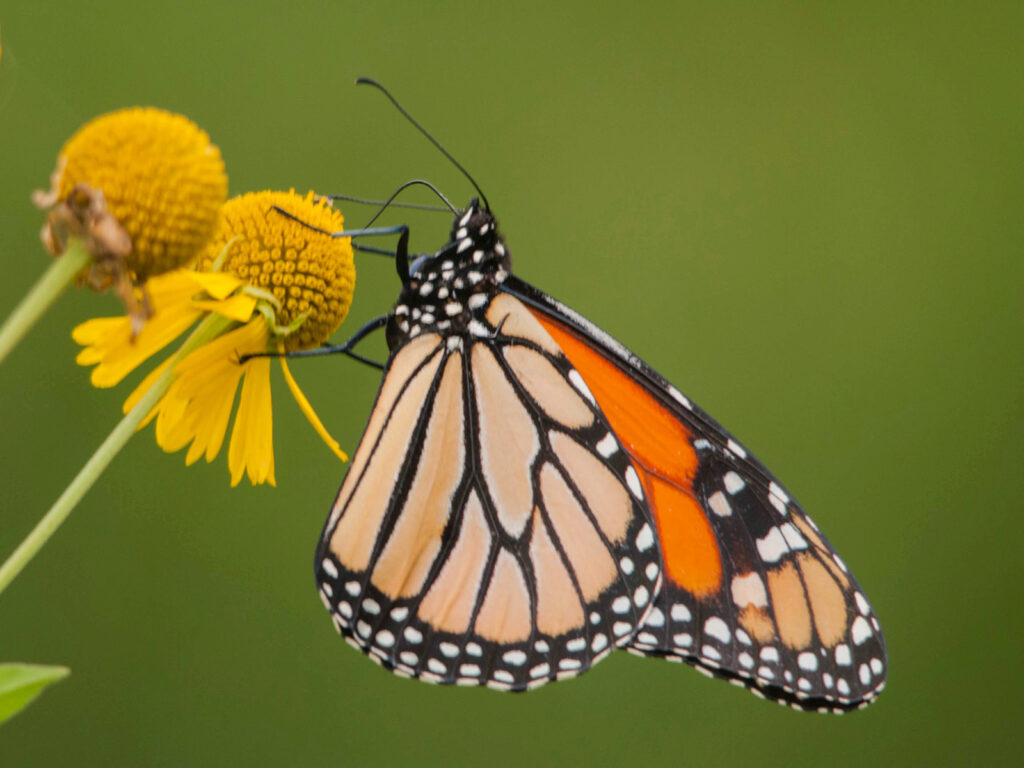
20	683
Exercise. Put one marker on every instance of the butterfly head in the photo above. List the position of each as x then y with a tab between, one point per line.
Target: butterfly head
447	290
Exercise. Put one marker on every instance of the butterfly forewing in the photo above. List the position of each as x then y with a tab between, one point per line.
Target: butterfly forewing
491	529
753	592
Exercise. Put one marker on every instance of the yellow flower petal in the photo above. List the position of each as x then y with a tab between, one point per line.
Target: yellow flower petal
210	430
308	411
123	355
218	284
172	288
197	406
239	307
172	433
252	440
143	388
92	331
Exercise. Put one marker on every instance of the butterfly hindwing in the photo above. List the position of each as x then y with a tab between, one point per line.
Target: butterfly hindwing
491	529
753	592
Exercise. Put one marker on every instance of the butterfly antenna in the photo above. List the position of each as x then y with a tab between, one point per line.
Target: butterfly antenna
403	187
394	203
421	129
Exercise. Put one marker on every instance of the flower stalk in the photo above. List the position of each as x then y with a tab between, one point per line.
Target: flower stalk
49	286
209	328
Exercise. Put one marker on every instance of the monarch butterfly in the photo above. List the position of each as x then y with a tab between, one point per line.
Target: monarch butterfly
529	495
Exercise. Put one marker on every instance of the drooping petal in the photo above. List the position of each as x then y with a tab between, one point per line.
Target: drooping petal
309	413
252	440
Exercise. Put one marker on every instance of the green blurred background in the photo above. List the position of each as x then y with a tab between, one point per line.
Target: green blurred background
808	216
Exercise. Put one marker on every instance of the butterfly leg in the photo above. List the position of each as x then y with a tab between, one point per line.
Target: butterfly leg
337	349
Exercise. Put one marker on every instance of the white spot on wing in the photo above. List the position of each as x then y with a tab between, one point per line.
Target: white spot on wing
680	612
749	590
593	330
399	614
772	547
633	481
479	329
843	657
644	539
717	629
540	670
862	604
860	630
655	618
733	483
792	536
577	381
736	448
606	447
577	644
680	398
516	658
710	652
451	650
775	490
719	504
778	504
413	635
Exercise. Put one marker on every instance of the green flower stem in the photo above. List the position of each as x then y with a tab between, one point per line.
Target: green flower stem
54	280
211	327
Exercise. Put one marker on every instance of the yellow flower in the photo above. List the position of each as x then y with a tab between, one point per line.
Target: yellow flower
265	283
143	188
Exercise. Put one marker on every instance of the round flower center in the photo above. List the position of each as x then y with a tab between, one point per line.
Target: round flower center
162	179
311	275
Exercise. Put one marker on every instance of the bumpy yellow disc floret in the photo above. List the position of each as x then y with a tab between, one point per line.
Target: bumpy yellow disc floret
162	178
310	274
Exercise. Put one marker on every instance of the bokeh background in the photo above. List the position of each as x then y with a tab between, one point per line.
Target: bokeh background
807	215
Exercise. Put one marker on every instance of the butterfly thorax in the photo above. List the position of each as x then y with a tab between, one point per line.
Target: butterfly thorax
449	292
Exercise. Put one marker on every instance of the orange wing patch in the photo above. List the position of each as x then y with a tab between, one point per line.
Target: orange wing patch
660	447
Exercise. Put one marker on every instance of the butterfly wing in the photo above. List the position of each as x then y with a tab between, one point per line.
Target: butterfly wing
753	592
491	529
